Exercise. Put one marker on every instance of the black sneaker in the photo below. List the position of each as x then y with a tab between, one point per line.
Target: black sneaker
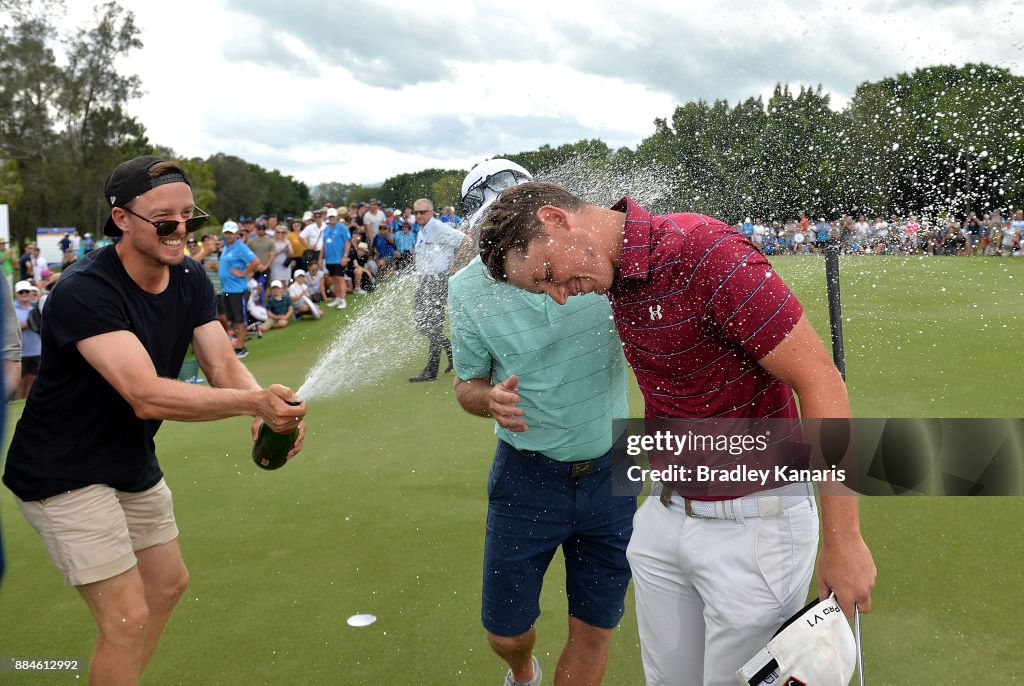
242	353
424	376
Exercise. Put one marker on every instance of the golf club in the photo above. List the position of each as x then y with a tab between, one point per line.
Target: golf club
835	305
835	315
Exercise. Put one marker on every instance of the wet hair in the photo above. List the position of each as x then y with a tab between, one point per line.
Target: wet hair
511	224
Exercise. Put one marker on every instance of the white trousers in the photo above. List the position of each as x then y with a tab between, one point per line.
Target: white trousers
710	593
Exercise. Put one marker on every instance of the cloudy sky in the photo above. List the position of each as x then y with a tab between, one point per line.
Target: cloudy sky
327	90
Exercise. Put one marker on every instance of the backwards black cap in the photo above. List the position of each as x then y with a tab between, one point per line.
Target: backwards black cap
130	180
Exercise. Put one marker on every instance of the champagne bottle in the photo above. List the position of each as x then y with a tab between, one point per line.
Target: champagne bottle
270	447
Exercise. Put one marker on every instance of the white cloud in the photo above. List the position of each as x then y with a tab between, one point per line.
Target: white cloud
362	91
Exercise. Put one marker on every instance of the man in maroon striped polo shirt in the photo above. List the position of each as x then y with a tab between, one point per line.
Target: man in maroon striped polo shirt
710	331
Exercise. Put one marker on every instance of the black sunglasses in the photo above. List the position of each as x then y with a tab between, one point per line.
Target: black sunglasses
497	182
165	227
20	292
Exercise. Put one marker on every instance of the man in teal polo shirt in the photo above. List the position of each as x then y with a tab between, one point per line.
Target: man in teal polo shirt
553	378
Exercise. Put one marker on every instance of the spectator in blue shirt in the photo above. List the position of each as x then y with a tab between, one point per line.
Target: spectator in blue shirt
747	227
334	256
31	343
821	233
384	249
448	216
237	264
405	244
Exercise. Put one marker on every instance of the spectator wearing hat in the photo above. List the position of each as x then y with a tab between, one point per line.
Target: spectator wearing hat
405	246
361	269
384	249
31	343
279	307
237	263
11	344
299	293
334	256
313	237
195	250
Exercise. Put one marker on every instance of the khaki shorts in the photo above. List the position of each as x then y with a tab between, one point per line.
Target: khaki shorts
92	533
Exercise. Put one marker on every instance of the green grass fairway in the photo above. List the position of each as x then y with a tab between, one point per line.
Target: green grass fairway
384	513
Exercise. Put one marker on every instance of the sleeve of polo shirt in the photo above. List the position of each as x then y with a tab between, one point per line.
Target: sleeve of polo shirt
472	359
745	297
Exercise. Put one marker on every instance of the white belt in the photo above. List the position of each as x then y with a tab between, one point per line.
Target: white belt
770	503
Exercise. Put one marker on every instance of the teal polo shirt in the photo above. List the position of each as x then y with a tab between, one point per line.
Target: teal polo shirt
572	373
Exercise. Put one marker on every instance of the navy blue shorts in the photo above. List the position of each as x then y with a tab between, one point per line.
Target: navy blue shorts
536	505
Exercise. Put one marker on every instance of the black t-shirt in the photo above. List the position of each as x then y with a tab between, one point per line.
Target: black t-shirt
25	266
76	430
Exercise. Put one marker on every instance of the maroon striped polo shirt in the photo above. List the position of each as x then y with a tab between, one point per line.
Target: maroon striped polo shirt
696	306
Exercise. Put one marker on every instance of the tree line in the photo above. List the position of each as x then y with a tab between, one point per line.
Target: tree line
939	140
64	126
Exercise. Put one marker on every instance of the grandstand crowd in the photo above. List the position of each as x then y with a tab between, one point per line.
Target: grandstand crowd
270	271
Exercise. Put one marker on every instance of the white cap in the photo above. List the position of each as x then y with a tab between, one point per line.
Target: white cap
22	286
230	227
489	168
481	172
816	646
276	284
307	215
299	272
331	212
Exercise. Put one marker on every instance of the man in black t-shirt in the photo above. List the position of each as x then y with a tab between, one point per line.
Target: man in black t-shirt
82	461
25	264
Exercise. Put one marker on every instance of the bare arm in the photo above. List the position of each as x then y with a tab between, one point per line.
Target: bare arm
122	360
845	565
479	397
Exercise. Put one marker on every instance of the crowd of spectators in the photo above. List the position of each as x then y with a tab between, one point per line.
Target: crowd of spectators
992	235
302	265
